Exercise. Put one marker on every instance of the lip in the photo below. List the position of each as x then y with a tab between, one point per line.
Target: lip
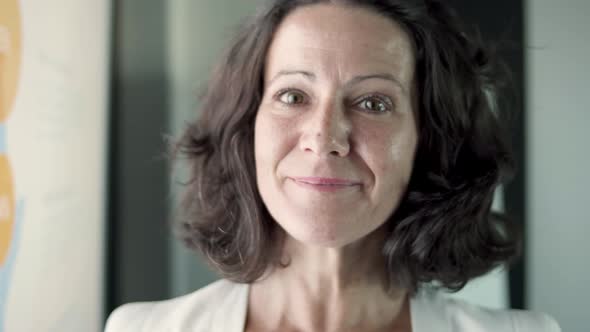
325	184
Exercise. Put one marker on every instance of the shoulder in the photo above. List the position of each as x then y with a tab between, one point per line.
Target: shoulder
462	316
191	312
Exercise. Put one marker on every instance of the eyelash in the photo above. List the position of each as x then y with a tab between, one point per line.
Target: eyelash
385	100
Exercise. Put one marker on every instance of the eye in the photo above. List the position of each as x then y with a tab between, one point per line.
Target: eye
291	97
376	104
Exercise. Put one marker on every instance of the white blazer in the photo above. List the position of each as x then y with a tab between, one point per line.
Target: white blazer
222	306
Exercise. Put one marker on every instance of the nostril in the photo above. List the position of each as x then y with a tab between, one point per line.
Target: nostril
324	143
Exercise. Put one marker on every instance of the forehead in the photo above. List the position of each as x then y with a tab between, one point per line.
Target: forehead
340	40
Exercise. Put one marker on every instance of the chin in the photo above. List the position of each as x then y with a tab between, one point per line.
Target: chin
325	233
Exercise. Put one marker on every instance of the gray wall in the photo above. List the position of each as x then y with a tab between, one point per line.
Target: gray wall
198	31
137	250
559	159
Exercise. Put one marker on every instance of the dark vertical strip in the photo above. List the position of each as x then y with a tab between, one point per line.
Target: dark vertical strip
502	22
111	261
138	183
515	193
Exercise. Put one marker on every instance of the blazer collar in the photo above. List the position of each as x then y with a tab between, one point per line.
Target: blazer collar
428	312
230	316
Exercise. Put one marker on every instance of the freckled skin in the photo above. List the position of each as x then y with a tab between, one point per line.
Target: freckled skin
329	134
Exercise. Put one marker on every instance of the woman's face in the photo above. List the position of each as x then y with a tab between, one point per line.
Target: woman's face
335	133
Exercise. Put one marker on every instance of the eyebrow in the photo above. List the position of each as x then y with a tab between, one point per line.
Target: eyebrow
308	75
384	76
355	80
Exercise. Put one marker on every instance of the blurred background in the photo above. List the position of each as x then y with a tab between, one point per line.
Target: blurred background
89	90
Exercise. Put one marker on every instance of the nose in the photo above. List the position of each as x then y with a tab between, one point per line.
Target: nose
326	132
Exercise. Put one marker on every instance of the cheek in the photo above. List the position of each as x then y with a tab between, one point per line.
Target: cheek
389	153
271	142
259	139
262	145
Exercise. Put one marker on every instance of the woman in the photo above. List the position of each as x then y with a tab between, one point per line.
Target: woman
345	157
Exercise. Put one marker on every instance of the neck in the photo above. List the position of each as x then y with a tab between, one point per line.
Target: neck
329	289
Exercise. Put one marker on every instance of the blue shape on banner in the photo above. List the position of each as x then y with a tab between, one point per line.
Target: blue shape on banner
6	269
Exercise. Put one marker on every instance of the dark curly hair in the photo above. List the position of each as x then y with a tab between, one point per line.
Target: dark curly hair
443	230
